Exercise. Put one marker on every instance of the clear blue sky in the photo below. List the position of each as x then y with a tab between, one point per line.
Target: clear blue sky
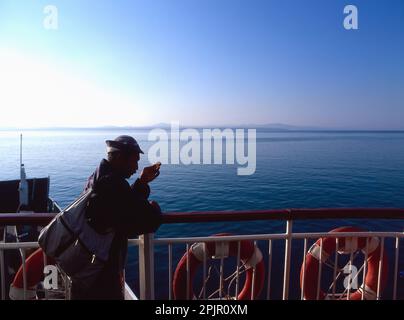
202	62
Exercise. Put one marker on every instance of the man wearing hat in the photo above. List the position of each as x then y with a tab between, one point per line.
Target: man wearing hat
116	205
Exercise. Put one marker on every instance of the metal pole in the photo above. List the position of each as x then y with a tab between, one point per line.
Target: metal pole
205	250
334	277
288	247
365	269
379	278
396	268
188	267
304	269
269	269
20	150
221	270
253	275
3	276
170	271
146	266
238	269
320	264
24	275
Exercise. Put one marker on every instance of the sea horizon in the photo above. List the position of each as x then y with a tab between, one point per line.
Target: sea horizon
167	125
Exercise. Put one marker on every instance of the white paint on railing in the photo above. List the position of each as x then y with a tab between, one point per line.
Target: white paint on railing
3	275
221	270
134	242
304	270
334	284
45	263
379	277
397	254
187	267
170	270
350	280
365	268
148	253
146	266
288	248
269	269
253	275
238	269
24	274
277	236
320	264
205	249
166	241
18	245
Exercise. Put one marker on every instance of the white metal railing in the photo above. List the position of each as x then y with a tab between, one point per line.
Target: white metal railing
289	238
22	247
52	294
147	245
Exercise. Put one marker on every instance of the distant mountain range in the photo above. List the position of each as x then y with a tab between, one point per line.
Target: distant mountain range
269	126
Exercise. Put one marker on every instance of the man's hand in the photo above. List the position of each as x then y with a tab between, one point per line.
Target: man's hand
155	205
150	173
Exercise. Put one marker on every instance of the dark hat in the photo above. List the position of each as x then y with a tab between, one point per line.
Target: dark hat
123	143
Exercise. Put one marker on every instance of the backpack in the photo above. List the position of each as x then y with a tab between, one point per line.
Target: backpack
77	248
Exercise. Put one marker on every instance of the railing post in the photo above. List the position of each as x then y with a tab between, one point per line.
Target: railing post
288	248
146	266
2	264
3	276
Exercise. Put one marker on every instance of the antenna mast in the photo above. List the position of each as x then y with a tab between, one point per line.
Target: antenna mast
23	187
20	150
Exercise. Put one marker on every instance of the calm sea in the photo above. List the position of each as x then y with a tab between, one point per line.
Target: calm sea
294	169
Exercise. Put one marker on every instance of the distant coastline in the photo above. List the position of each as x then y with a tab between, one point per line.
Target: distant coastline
259	127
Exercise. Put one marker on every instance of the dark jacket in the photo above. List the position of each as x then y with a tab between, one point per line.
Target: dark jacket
116	205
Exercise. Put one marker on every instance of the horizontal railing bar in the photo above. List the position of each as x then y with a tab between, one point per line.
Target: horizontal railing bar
316	235
279	236
35	245
54	203
286	214
347	213
134	242
18	245
230	216
165	241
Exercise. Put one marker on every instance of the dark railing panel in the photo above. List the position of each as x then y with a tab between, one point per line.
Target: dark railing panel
286	214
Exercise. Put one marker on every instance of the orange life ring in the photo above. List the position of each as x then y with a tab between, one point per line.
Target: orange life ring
34	269
345	245
250	255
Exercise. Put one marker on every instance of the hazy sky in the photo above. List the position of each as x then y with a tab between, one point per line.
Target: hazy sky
202	62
